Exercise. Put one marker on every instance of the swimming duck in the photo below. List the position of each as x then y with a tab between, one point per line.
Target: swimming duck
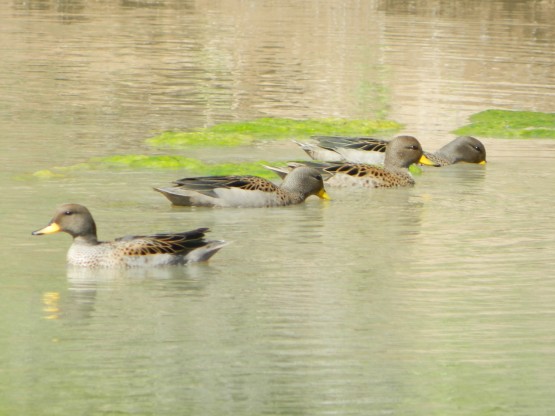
370	150
245	190
400	153
129	251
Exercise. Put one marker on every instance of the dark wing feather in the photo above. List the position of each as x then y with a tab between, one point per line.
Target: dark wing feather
200	183
374	145
207	184
362	143
164	243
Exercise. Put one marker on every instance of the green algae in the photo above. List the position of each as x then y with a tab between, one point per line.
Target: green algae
57	172
160	162
199	138
184	163
226	135
146	162
510	124
192	167
245	133
46	174
246	168
415	169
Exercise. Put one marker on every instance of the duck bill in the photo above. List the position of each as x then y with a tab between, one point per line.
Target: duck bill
323	195
49	229
483	162
425	161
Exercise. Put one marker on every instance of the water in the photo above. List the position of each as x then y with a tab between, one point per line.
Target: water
431	300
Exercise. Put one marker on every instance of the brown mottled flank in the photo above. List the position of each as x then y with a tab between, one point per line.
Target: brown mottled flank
400	153
254	183
130	251
245	190
208	183
174	243
367	176
370	150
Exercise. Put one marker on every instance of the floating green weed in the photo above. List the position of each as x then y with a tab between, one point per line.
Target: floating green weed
60	171
247	168
227	134
194	166
510	124
244	133
199	138
147	162
157	162
415	170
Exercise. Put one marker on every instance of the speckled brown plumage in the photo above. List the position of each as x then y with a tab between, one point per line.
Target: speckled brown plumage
207	184
142	250
361	175
400	153
164	243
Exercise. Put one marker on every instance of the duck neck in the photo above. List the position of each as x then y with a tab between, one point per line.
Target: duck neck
393	164
446	152
86	236
291	187
89	240
294	193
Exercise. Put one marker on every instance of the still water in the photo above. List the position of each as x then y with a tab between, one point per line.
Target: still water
435	300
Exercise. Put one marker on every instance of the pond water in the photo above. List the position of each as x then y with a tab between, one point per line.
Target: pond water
434	300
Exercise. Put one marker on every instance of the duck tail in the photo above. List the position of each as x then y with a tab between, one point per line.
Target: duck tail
176	198
205	252
281	172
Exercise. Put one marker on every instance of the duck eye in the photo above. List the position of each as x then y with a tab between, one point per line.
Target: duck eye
68	212
477	148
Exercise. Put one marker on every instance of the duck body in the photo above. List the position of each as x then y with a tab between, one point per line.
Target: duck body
371	150
246	191
144	251
399	154
357	175
163	249
368	150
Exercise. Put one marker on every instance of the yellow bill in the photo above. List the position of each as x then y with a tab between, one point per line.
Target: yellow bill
324	195
483	162
49	229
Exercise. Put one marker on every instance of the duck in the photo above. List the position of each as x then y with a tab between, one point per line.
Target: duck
246	191
400	153
162	249
371	150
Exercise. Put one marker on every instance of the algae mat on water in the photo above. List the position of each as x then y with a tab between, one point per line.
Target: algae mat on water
225	135
190	165
510	124
244	133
